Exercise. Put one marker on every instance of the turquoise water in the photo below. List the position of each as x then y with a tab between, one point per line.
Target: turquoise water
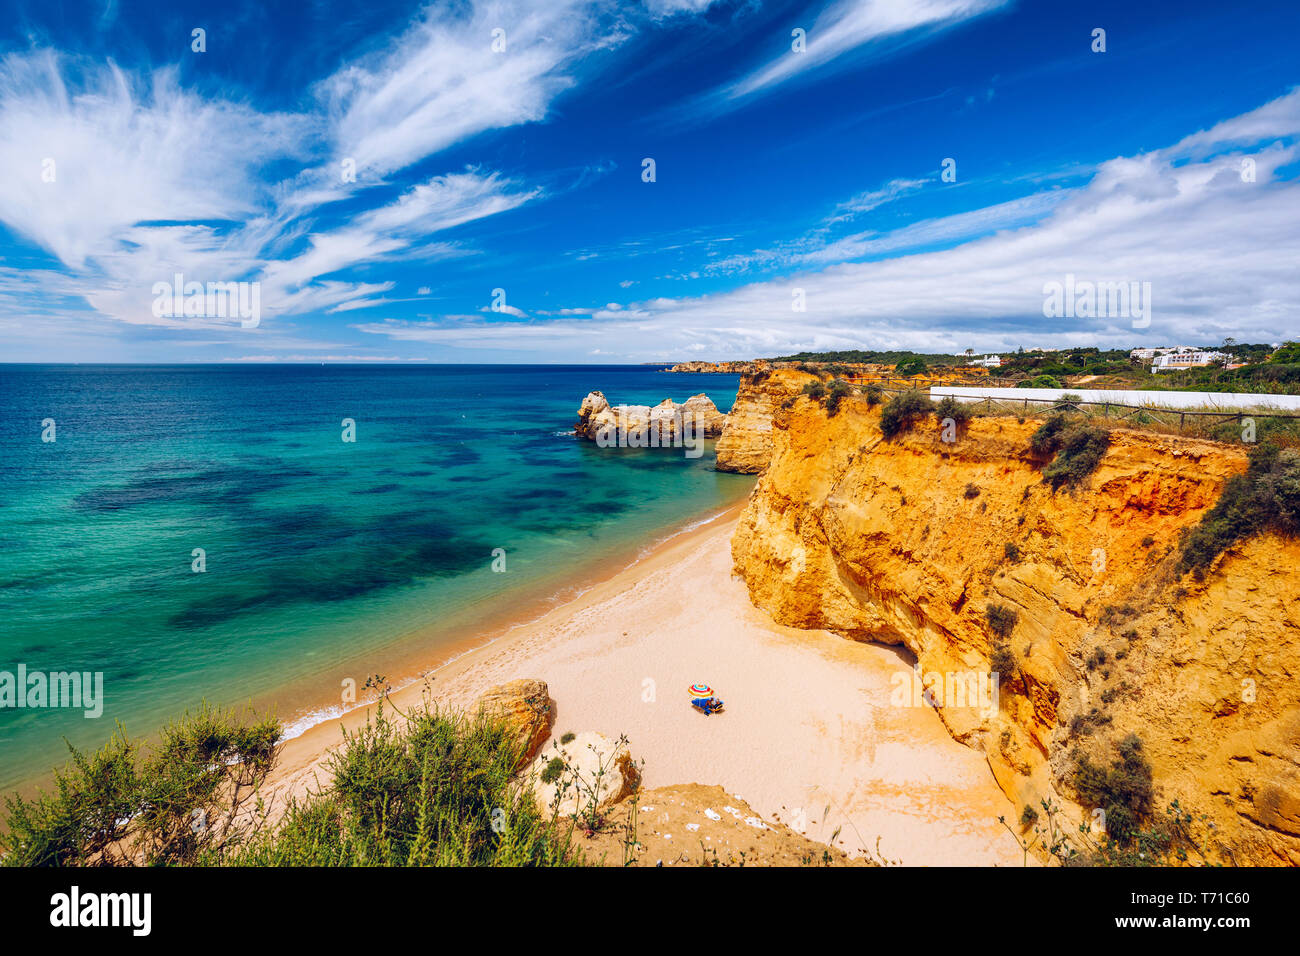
325	559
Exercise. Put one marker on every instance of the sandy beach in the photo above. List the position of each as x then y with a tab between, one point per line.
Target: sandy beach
808	722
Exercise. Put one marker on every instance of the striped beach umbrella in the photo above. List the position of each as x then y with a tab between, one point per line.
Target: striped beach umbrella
700	690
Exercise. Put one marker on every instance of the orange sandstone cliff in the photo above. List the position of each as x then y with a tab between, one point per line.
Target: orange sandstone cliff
746	442
908	541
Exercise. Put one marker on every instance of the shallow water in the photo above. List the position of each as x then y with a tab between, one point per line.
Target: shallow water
325	560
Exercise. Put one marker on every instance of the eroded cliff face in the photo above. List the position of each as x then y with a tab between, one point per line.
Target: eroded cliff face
909	541
746	443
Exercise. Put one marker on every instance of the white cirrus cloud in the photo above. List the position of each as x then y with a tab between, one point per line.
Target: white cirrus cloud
441	81
128	179
846	26
1218	248
124	150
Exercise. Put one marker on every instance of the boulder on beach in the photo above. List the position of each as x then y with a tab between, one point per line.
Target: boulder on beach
592	768
526	708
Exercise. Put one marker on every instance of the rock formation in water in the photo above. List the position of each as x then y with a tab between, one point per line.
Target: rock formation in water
646	426
913	541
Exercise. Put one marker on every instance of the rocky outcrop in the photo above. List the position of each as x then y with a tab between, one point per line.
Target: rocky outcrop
590	772
645	426
910	541
695	825
746	442
525	707
716	368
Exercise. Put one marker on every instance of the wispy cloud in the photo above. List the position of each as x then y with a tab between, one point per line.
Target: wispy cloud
1217	246
671	8
874	198
127	179
91	151
451	77
858	26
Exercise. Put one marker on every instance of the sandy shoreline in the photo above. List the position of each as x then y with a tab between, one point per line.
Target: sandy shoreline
808	725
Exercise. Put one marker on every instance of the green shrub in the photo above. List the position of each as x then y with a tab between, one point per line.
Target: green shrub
553	770
1001	619
1267	495
439	790
568	737
874	394
1002	661
120	805
910	366
1047	438
1124	789
1079	447
815	390
1039	381
949	407
903	411
836	393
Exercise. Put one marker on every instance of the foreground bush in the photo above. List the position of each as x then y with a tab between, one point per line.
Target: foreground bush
434	790
1267	495
193	797
439	792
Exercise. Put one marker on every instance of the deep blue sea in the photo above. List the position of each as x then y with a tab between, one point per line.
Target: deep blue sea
323	559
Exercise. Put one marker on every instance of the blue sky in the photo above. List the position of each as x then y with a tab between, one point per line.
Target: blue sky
522	170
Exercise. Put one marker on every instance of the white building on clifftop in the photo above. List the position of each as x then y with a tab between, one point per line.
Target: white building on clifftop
1187	358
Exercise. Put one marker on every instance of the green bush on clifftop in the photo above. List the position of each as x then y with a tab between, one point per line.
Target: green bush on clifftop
1267	495
903	411
1078	447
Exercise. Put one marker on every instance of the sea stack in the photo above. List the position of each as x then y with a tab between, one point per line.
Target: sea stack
641	423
